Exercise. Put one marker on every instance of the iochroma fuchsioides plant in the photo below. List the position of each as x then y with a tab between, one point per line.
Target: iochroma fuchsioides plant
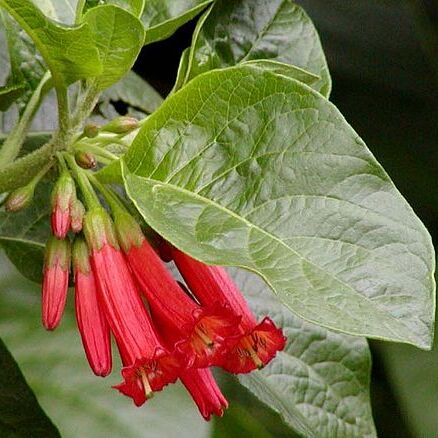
245	164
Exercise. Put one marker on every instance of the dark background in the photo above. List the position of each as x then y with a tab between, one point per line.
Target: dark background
383	55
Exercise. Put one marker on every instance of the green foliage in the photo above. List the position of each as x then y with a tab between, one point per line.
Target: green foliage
118	36
69	52
24	234
301	201
161	18
134	91
246	163
320	382
20	413
277	30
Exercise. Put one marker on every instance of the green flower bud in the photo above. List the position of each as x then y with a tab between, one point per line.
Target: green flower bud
85	160
121	125
20	198
91	130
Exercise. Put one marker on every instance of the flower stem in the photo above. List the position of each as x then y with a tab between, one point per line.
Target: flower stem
80	176
114	202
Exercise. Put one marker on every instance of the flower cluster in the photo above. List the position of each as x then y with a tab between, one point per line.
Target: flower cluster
163	330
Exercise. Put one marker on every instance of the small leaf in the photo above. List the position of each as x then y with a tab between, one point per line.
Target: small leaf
182	70
134	91
232	32
23	234
69	52
118	36
20	413
320	383
161	18
246	168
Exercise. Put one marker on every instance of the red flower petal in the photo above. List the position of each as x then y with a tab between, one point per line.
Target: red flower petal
197	333
93	327
147	375
55	282
60	221
257	344
205	392
254	348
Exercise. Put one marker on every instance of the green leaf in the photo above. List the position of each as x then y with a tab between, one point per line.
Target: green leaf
70	52
135	7
9	94
182	70
251	169
134	91
161	18
27	67
278	30
320	382
81	404
23	234
20	413
118	36
63	11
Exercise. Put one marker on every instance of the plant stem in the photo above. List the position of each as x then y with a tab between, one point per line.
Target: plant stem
95	150
108	194
12	145
81	178
21	171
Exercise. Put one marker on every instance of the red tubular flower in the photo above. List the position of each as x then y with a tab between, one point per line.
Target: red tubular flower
55	281
93	327
257	344
205	392
148	365
198	333
64	193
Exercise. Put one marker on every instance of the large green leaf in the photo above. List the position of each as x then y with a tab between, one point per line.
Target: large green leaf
247	168
23	234
69	52
20	413
81	404
320	382
161	18
119	37
241	30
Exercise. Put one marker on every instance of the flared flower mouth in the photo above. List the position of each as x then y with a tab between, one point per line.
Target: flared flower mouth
147	376
253	349
209	330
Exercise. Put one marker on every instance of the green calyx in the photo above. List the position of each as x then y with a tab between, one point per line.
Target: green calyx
57	252
121	125
99	229
64	191
128	231
20	198
81	256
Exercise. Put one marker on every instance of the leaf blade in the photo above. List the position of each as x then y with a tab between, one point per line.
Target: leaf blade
234	32
320	382
299	159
